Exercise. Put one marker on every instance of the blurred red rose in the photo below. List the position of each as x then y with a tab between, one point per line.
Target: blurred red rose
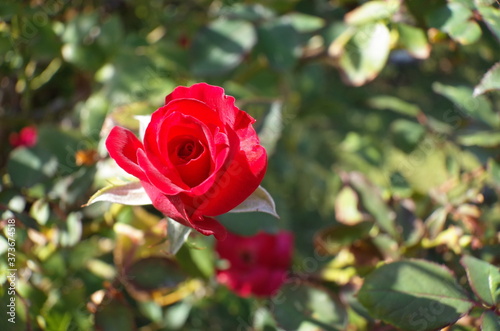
199	157
258	265
27	137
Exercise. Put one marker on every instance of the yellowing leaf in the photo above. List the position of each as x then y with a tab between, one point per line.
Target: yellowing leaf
346	207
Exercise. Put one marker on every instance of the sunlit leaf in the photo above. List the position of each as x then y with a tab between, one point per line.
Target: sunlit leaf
454	19
365	54
414	295
484	279
491	16
372	11
346	207
29	166
489	82
305	23
414	40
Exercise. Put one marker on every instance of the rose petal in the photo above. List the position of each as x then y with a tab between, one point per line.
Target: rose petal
221	154
255	266
156	178
170	206
154	156
213	96
282	256
241	178
178	125
122	146
271	284
209	226
195	108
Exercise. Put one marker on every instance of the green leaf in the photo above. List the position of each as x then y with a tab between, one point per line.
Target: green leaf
29	166
50	138
484	279
490	81
414	40
414	295
491	16
477	107
197	258
332	239
304	23
221	46
248	224
435	222
177	314
247	12
259	201
406	135
372	201
454	19
412	227
490	321
153	273
494	170
40	211
70	231
114	315
365	54
307	308
395	104
80	47
92	115
372	11
483	139
111	35
131	193
279	42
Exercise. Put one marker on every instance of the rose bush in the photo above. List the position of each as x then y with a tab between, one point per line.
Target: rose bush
199	156
258	264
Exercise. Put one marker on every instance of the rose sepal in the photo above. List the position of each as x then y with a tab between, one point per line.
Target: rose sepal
259	201
177	234
129	193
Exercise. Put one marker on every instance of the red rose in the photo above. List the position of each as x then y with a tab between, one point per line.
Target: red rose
258	264
200	156
26	137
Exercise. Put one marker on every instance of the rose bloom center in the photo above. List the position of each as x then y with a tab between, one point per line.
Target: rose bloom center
184	149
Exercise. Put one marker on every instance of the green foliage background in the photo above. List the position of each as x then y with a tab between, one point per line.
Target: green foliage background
383	135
